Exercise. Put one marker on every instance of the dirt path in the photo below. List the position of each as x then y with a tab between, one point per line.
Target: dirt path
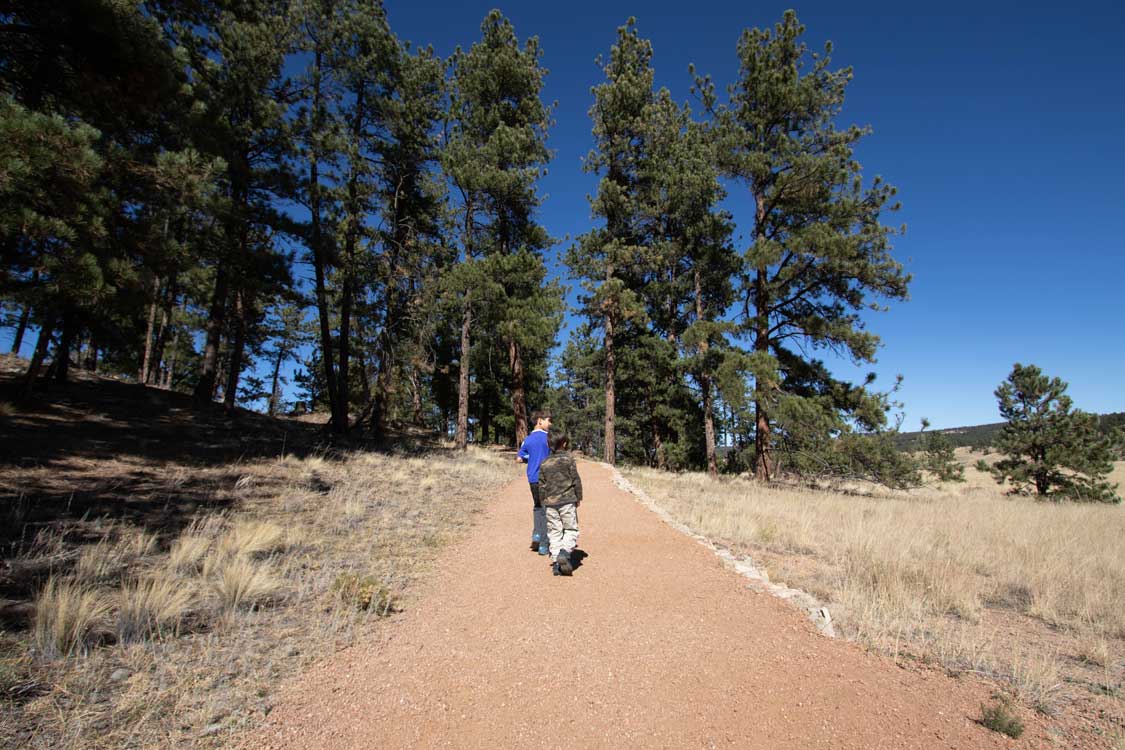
652	644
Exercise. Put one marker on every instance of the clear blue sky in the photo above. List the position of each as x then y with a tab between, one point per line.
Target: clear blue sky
1002	124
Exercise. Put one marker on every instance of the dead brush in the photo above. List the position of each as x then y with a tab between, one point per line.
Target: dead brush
1001	717
149	606
68	616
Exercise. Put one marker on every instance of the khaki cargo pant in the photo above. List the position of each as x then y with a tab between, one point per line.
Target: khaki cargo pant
562	528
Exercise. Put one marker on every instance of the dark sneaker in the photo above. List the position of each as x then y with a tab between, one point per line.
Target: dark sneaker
534	545
555	569
565	568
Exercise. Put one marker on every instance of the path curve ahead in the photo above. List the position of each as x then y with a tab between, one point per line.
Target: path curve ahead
651	644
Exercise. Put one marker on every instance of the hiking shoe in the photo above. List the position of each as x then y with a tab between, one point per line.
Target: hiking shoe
555	569
563	563
544	549
534	545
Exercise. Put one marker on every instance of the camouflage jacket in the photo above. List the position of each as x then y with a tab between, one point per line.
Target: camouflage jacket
559	483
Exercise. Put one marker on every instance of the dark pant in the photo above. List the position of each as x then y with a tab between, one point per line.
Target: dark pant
538	515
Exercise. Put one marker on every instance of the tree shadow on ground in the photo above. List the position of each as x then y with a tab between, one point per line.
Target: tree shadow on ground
98	452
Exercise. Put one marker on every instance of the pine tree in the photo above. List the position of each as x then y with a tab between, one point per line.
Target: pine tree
414	251
693	259
938	456
495	154
602	256
1048	445
819	253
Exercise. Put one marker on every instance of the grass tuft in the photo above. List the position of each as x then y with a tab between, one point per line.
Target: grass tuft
239	583
250	538
68	615
150	606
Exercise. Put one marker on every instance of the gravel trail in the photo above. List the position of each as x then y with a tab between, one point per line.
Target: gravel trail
652	643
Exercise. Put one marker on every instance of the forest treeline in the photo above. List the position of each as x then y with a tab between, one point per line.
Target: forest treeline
196	193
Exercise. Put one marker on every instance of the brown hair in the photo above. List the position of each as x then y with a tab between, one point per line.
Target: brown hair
561	443
541	414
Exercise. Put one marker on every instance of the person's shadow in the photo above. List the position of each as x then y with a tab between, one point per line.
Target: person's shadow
576	558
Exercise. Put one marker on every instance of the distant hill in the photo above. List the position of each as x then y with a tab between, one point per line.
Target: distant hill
978	436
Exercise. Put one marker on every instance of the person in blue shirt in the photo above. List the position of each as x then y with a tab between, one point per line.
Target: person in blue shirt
533	451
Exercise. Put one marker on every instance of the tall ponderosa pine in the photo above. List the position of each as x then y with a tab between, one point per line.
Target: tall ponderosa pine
819	253
1049	445
495	154
412	238
693	259
599	257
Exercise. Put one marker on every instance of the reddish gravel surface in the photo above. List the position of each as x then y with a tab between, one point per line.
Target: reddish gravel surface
651	644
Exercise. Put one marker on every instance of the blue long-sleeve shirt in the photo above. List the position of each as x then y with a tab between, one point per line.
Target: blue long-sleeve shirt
534	450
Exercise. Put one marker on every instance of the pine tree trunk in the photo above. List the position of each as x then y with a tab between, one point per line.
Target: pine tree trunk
364	376
485	420
416	389
519	395
319	260
351	238
146	359
90	364
276	378
61	364
383	386
158	348
230	395
461	439
31	377
170	366
343	395
660	459
21	328
610	397
209	371
763	464
220	379
169	301
705	387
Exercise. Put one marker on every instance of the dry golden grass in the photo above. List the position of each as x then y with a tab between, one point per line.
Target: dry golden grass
272	576
239	583
187	552
99	562
68	615
110	557
926	572
251	537
151	605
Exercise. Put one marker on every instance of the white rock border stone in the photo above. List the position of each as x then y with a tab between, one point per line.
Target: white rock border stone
759	579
